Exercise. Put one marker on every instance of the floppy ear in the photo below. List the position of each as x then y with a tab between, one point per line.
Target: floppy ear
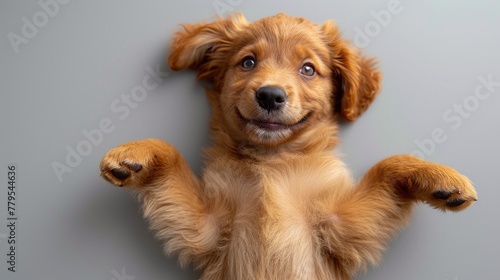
359	78
204	46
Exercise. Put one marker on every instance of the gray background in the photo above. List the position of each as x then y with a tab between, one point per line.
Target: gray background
65	79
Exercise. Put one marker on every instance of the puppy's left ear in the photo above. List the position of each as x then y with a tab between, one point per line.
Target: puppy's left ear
204	47
360	79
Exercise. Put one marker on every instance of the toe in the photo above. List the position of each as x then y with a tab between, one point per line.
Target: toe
120	173
136	167
442	194
455	202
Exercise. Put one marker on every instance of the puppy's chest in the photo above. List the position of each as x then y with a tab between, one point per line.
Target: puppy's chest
275	213
276	198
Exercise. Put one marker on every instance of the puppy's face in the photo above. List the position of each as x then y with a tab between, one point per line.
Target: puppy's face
276	78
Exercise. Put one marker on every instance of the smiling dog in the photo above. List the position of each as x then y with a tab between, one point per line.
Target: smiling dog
274	201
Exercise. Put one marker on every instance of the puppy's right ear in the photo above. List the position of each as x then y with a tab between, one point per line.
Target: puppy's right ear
204	47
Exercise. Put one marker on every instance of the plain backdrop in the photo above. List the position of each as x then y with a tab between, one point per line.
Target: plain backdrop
67	68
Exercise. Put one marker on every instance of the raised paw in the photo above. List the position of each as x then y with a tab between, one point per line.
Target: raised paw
453	199
119	175
447	189
438	185
134	163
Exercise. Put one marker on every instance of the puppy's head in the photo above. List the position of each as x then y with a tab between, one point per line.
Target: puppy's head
276	78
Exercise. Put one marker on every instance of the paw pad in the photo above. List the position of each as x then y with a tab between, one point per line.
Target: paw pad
449	199
136	167
455	202
120	173
442	194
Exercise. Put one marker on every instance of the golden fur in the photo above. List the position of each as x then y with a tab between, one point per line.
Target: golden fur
274	201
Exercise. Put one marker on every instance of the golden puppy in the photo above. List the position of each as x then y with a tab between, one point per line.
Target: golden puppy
273	201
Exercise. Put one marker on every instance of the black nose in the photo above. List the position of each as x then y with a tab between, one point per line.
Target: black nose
270	98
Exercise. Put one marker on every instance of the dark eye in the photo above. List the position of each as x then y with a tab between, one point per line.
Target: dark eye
307	70
248	62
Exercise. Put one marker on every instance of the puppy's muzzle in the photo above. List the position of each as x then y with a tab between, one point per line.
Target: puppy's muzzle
271	98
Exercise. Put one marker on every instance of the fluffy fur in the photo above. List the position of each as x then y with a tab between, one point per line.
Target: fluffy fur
274	201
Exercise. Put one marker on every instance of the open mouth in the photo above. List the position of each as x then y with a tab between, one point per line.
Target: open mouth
272	125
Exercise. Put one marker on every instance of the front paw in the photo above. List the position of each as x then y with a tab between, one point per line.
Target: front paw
135	163
441	186
452	192
120	173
